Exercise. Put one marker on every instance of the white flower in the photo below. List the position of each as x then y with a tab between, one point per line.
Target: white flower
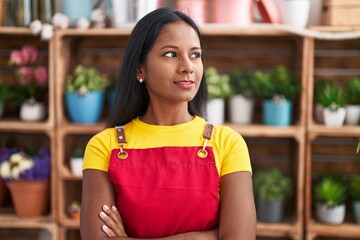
83	23
16	158
61	21
36	27
47	32
26	164
5	169
15	172
83	90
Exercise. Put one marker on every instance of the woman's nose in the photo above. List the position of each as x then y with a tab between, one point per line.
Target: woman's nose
186	66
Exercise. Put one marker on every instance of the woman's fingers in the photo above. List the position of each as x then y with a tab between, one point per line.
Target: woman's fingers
108	231
112	219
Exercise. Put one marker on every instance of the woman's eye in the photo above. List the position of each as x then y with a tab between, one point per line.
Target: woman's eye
170	54
196	55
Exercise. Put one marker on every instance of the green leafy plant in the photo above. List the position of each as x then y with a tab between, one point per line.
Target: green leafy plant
241	82
271	185
358	147
352	91
78	152
85	80
330	191
278	82
331	96
354	188
218	85
319	86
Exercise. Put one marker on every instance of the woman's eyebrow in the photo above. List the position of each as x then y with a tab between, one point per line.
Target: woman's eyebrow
176	47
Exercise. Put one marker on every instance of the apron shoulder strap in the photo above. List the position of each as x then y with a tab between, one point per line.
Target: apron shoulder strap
208	131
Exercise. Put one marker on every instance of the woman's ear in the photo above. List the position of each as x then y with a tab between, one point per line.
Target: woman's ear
140	76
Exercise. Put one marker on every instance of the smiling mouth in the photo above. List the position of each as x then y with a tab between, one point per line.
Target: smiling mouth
184	82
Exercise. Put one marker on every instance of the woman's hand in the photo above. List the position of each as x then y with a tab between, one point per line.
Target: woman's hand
113	226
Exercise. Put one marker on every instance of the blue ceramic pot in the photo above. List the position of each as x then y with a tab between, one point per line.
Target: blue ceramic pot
277	113
84	109
76	9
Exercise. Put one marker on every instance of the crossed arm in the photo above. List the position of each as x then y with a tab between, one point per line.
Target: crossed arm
237	212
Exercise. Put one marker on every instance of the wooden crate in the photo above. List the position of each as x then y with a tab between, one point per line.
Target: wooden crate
341	12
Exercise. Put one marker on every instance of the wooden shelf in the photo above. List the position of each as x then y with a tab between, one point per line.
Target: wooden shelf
21	126
12	221
341	230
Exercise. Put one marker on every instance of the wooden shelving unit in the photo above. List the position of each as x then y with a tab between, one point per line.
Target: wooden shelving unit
32	133
294	149
334	59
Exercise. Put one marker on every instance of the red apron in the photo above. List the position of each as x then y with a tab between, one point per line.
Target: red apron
165	191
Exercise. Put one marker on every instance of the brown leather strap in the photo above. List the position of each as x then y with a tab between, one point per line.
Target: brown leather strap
208	131
120	135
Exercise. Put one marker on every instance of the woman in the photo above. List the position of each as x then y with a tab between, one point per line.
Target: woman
158	161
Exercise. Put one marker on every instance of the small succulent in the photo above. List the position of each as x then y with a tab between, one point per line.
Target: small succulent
352	91
354	188
241	82
331	96
330	191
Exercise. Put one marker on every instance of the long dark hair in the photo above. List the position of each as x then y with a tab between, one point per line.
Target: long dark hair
132	98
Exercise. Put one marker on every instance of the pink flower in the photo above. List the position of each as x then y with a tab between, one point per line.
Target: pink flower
29	54
41	75
26	75
16	57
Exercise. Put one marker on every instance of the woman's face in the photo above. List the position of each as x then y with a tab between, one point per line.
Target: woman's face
173	69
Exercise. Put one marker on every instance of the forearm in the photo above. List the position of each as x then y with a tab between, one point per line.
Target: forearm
198	235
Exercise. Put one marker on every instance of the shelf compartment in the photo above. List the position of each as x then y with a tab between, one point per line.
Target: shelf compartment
286	154
329	153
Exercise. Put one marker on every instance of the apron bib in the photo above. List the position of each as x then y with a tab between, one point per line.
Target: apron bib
165	191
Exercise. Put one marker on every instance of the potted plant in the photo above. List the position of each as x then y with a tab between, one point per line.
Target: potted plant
352	93
354	191
74	210
271	188
27	173
218	88
241	102
76	161
84	95
330	195
32	82
318	88
332	99
278	89
3	96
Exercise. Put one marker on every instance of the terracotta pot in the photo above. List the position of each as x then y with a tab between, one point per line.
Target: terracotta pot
2	193
30	198
238	12
194	8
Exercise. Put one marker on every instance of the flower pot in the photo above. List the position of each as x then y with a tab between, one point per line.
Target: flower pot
238	12
84	109
194	8
277	112
30	198
111	98
76	165
2	192
356	211
77	9
215	111
32	111
241	109
334	117
330	215
270	212
296	12
352	114
319	113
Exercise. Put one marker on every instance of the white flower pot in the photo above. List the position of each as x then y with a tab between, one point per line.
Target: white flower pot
296	12
241	109
32	111
352	114
334	118
216	111
330	215
76	166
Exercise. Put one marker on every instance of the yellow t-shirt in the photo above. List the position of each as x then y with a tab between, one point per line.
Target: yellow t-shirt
230	150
